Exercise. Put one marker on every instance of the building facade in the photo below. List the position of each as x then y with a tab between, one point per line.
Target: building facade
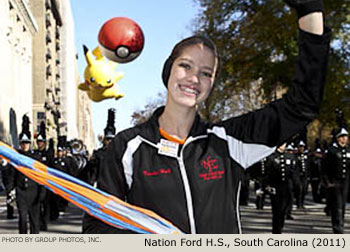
46	66
39	71
17	29
77	123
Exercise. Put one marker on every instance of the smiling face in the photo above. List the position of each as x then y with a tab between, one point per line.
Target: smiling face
192	76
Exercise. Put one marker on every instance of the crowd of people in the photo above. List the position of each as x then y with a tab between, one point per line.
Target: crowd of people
32	200
286	176
294	170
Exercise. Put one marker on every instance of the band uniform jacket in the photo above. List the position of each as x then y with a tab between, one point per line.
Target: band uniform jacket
60	164
315	168
336	167
90	172
279	169
303	165
22	182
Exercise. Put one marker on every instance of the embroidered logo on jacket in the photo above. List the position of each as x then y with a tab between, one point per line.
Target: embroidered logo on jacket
211	167
158	172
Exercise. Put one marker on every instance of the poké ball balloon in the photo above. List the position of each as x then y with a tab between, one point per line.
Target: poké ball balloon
121	39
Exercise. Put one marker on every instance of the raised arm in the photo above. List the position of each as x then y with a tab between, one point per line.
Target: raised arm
250	134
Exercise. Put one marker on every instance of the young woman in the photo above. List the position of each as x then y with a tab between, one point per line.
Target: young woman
188	170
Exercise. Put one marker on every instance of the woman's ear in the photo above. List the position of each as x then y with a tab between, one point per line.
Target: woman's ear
166	71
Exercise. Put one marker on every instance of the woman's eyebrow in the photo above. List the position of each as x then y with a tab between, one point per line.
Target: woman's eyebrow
209	68
191	61
186	59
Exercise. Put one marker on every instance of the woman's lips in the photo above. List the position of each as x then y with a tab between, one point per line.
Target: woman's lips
189	90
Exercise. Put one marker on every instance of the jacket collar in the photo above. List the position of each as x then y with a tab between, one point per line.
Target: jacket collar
151	127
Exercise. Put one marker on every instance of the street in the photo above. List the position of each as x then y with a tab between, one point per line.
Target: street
311	220
68	223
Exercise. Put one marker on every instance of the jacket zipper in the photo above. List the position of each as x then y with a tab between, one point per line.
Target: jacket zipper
187	185
188	194
185	181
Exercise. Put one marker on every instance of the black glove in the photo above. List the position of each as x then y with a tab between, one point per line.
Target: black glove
304	7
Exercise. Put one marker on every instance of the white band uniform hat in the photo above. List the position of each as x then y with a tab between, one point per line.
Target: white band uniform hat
40	138
25	135
289	147
301	143
342	132
42	132
24	138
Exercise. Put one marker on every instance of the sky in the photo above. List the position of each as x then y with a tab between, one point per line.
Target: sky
164	23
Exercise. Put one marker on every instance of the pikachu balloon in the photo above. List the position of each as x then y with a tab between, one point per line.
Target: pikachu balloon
100	77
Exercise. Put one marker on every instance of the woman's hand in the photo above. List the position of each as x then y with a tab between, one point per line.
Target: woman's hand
310	14
312	23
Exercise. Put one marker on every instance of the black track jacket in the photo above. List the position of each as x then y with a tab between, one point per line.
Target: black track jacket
197	190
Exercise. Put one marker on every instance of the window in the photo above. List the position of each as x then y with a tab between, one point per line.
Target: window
48	37
48	71
41	116
48	55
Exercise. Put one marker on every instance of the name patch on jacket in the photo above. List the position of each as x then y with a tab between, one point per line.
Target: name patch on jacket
157	172
211	169
168	148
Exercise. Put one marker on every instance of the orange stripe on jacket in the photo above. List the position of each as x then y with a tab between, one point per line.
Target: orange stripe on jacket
171	138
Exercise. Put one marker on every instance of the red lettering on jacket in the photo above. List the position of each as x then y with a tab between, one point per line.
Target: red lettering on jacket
211	167
156	173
